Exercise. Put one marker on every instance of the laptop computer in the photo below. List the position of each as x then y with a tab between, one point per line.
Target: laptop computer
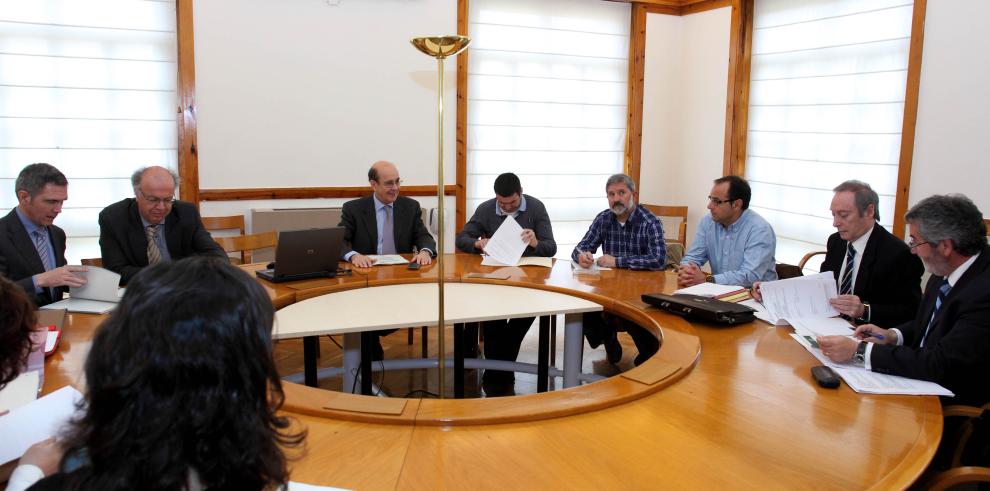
305	254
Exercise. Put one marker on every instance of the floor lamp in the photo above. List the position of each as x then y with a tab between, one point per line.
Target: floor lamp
440	47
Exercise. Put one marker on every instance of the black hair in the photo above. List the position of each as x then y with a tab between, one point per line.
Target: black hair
33	178
738	189
181	378
17	320
507	185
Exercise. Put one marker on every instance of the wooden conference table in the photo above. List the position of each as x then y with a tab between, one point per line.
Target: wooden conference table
734	407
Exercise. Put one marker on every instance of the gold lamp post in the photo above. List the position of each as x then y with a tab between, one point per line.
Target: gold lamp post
440	47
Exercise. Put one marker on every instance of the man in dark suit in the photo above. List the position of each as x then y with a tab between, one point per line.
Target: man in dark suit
504	337
151	227
32	249
384	223
883	284
948	341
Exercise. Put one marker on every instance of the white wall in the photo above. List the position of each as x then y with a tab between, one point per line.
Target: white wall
687	66
296	93
952	142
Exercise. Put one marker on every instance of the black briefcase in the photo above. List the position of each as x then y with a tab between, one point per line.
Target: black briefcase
701	308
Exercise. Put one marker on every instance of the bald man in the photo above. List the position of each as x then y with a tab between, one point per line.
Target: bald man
152	226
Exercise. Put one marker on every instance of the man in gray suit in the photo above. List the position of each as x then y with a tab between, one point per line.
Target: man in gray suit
384	223
32	248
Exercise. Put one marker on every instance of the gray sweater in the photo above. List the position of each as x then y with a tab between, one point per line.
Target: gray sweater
485	222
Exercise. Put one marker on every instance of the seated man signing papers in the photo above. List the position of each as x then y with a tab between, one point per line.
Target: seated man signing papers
739	243
503	338
948	341
630	237
384	224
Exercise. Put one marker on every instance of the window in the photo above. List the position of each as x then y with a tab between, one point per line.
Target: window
89	87
827	87
547	92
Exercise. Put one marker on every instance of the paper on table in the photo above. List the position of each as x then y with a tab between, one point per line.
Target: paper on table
865	381
300	486
387	259
39	420
20	391
546	262
795	298
709	289
822	326
506	245
99	295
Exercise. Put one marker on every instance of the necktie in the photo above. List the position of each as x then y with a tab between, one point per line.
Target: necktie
388	237
154	254
943	291
44	249
846	285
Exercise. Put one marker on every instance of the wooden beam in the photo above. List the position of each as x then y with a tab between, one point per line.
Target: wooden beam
704	5
660	9
902	194
634	109
460	201
186	91
737	103
312	193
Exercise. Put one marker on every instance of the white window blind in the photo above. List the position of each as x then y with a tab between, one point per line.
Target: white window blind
89	87
827	87
547	100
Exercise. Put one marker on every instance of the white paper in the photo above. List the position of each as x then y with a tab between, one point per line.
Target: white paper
506	245
822	326
82	305
387	259
709	289
543	262
50	341
19	391
299	486
796	298
101	284
39	420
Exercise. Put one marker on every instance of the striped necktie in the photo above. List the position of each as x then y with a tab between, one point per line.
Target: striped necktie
154	254
41	243
943	291
846	285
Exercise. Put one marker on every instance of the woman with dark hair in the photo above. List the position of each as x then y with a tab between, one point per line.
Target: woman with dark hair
17	320
182	388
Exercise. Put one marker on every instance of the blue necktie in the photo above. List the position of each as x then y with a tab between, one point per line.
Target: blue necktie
846	285
943	291
44	249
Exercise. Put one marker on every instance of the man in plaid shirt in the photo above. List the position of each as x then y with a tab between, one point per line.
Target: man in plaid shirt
630	237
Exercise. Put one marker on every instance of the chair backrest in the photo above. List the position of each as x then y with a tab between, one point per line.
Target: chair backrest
987	222
672	211
245	244
92	261
231	222
785	271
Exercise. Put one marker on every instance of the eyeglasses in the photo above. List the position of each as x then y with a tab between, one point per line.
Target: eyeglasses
158	201
396	183
912	245
716	201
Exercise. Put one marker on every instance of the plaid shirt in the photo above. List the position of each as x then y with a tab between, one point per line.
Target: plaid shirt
637	245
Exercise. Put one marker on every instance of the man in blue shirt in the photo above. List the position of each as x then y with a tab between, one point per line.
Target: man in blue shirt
739	243
630	237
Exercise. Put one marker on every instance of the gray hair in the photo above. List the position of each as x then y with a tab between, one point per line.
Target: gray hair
139	174
953	217
34	177
864	194
623	179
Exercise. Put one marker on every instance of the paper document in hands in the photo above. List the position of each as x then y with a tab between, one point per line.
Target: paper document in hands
99	295
797	298
506	246
36	421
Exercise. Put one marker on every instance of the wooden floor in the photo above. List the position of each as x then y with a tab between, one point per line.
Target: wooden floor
422	383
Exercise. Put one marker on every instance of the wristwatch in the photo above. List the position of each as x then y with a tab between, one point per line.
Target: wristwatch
866	314
859	358
710	279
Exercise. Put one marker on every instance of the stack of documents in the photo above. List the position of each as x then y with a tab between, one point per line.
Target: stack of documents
99	295
865	381
386	259
728	293
802	302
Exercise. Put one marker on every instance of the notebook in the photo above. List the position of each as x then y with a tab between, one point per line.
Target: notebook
305	254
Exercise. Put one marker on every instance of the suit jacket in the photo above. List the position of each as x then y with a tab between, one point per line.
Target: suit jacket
957	350
889	276
485	222
19	259
361	227
125	248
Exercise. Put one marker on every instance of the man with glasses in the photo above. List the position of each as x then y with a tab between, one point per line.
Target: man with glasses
32	248
152	227
384	223
948	340
738	242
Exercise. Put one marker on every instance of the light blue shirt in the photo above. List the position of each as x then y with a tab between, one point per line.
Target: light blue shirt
31	228
521	209
159	239
741	253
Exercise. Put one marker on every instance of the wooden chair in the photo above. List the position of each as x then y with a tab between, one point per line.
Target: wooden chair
672	211
959	473
92	261
231	222
247	243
